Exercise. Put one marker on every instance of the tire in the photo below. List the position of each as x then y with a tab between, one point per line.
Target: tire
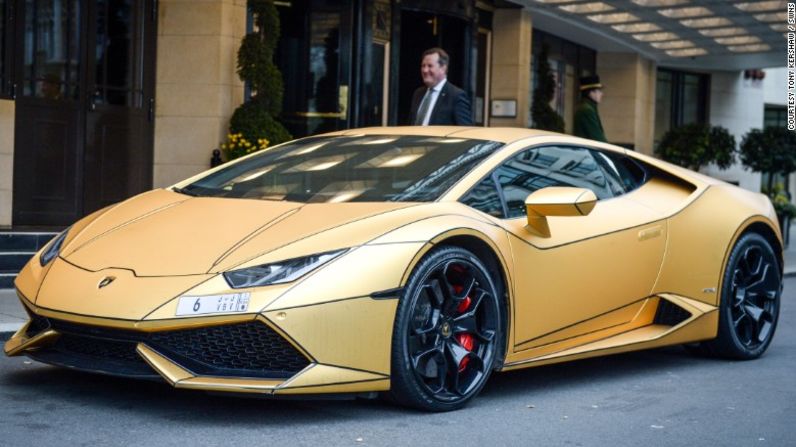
448	332
750	301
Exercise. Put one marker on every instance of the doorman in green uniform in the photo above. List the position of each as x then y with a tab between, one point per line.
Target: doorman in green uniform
587	119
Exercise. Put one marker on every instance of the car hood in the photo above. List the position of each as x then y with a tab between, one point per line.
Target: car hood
162	233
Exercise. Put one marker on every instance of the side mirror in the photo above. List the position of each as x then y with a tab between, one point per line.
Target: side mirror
557	201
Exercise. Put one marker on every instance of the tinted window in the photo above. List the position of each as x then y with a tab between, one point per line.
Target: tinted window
551	166
349	169
630	173
485	197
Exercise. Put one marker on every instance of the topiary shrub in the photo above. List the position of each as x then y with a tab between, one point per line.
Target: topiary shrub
695	145
772	151
256	119
543	116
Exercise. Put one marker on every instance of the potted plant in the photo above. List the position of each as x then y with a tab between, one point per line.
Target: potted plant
773	151
254	124
696	145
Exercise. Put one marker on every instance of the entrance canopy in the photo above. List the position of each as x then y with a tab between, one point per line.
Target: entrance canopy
687	34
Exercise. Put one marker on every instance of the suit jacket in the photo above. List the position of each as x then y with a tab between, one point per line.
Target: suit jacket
451	109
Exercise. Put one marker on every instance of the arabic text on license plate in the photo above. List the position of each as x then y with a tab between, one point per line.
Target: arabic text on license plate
213	304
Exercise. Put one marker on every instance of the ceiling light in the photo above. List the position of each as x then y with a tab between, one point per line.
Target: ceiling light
659	2
721	32
756	48
614	17
582	8
672	44
781	27
655	37
679	13
771	17
687	52
707	22
636	27
737	40
761	6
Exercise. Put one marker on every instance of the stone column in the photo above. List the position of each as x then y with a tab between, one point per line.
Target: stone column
197	88
627	110
6	161
511	63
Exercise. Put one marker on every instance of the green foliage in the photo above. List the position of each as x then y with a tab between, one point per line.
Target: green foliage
256	123
782	205
256	119
696	145
772	150
544	117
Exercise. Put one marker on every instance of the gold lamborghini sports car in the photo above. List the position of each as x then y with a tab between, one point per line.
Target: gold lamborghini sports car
411	261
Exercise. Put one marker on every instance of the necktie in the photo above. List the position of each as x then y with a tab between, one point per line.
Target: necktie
423	110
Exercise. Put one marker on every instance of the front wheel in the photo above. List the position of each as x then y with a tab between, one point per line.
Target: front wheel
750	297
448	330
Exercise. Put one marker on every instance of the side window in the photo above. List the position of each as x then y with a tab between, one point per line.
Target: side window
484	197
630	173
552	166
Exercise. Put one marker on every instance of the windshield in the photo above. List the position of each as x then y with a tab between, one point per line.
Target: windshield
349	169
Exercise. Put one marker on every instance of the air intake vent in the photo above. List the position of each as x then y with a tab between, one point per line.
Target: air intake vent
670	314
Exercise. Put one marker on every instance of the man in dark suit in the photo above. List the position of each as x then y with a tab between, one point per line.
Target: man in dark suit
438	102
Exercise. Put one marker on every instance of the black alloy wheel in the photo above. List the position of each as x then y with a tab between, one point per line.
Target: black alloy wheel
750	299
448	331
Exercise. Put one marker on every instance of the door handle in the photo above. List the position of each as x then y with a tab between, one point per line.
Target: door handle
649	233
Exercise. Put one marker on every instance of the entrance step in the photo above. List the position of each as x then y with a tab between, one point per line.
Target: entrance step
16	249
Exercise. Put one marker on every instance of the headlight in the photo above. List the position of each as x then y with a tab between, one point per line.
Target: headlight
279	272
53	248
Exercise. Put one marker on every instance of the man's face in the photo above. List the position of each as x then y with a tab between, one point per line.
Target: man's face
596	95
431	71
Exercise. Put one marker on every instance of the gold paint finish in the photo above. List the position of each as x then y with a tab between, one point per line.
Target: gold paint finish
175	251
229	385
129	297
20	342
337	225
379	267
317	375
353	333
170	371
606	269
121	214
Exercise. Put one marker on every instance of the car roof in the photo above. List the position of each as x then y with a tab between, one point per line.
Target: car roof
500	134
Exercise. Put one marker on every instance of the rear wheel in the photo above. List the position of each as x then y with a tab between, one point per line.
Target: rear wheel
750	297
447	332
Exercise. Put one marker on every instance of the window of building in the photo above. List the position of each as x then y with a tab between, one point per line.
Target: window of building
681	98
568	62
775	116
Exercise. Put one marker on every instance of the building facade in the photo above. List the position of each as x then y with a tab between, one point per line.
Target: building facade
102	99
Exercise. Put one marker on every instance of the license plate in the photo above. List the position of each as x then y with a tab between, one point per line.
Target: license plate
213	304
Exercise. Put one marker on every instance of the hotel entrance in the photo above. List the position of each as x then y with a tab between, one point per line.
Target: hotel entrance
83	81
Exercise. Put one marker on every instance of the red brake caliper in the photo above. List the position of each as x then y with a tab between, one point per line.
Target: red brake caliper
466	340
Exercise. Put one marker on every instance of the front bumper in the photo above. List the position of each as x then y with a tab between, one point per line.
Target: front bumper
316	349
